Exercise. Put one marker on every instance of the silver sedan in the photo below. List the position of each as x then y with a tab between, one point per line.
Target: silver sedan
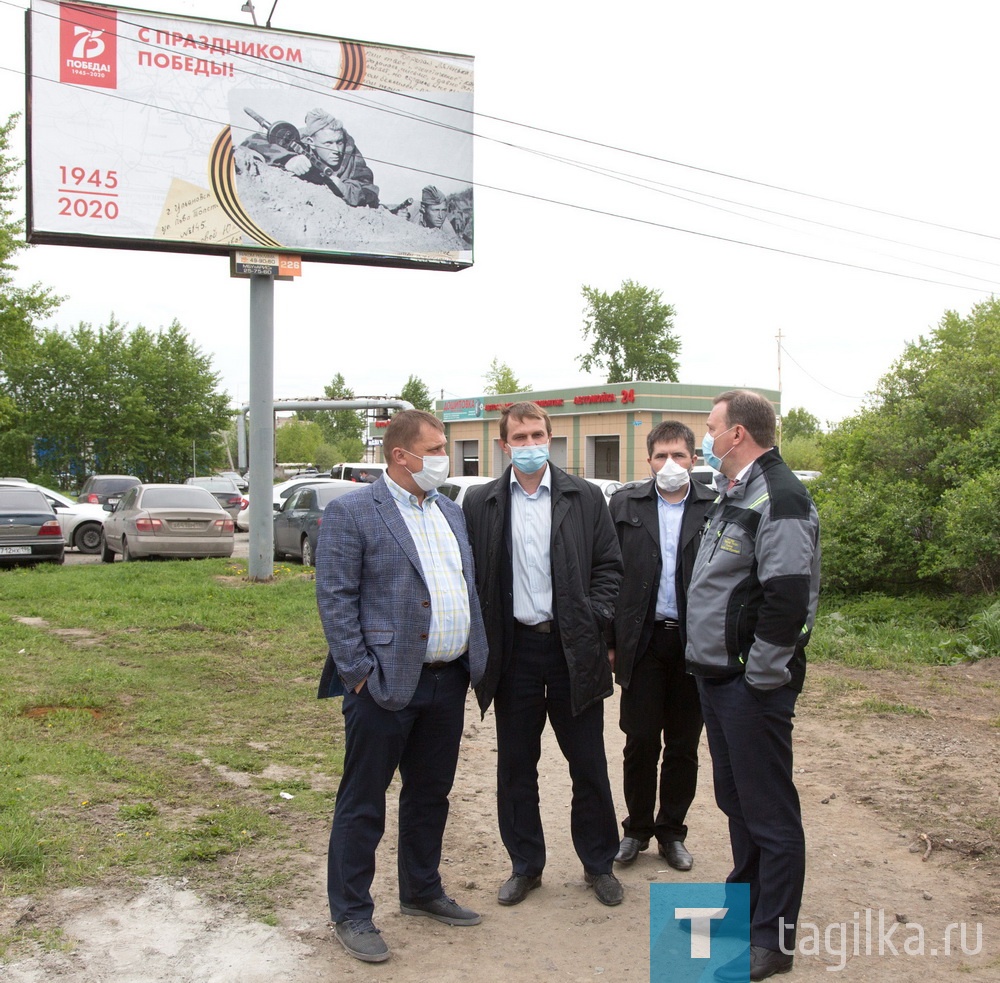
180	521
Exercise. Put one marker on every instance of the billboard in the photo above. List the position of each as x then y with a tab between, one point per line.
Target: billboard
154	131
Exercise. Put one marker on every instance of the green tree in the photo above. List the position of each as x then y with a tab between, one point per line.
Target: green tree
802	454
631	334
908	482
338	426
415	391
298	440
111	400
798	422
501	381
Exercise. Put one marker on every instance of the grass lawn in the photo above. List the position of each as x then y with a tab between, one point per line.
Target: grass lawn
155	718
161	718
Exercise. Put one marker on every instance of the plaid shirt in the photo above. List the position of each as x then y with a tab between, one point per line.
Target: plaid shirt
441	564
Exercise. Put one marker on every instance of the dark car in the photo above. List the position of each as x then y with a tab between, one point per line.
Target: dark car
29	529
226	493
106	489
297	522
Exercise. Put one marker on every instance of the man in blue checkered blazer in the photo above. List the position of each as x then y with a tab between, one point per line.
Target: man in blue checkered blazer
395	585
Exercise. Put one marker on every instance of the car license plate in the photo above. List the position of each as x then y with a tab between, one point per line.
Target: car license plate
186	525
15	551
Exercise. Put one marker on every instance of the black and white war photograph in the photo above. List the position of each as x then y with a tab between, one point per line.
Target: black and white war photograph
386	174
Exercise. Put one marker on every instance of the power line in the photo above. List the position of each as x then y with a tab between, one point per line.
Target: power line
814	379
647	184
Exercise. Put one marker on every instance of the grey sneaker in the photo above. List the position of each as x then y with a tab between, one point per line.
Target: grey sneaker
607	887
442	909
362	940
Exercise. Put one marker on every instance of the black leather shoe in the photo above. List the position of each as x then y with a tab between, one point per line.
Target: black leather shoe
515	889
629	850
675	854
443	909
607	887
768	962
763	964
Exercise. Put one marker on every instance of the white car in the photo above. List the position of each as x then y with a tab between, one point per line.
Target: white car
283	489
607	485
81	523
243	516
351	471
456	487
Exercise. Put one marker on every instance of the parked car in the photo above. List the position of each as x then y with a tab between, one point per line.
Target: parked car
352	471
456	487
806	476
29	529
238	479
607	485
106	489
224	490
80	523
181	521
283	489
705	474
297	522
243	516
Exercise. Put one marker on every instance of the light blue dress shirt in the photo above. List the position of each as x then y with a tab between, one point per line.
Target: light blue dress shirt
531	535
670	516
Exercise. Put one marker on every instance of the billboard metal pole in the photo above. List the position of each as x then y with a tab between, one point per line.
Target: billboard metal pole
261	559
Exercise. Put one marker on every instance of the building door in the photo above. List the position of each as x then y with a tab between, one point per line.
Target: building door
466	457
606	463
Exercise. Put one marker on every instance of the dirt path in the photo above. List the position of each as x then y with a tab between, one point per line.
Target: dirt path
870	783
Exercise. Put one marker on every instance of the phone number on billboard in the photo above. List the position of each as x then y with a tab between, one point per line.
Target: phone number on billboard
98	192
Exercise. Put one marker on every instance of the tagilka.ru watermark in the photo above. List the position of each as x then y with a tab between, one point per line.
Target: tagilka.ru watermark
696	929
871	933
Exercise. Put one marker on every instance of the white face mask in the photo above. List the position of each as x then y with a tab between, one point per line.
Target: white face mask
672	476
434	472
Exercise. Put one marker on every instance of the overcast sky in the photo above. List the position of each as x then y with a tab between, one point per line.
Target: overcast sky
887	105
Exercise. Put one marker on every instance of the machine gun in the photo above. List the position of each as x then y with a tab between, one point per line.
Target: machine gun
396	209
287	135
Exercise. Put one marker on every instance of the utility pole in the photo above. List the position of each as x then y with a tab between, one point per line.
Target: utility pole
780	428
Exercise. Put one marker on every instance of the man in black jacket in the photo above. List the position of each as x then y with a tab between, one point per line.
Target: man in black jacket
548	569
659	525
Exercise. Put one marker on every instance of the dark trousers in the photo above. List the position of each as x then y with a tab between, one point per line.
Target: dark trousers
750	737
536	685
661	701
421	740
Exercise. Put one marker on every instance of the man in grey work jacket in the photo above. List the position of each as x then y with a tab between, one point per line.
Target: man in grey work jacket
659	524
751	606
547	569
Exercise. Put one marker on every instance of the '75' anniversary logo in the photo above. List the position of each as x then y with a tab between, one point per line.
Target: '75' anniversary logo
88	46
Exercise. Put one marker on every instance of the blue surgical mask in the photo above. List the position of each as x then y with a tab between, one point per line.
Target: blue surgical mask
707	448
530	458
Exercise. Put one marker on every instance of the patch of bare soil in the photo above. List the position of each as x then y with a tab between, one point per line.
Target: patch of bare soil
882	757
